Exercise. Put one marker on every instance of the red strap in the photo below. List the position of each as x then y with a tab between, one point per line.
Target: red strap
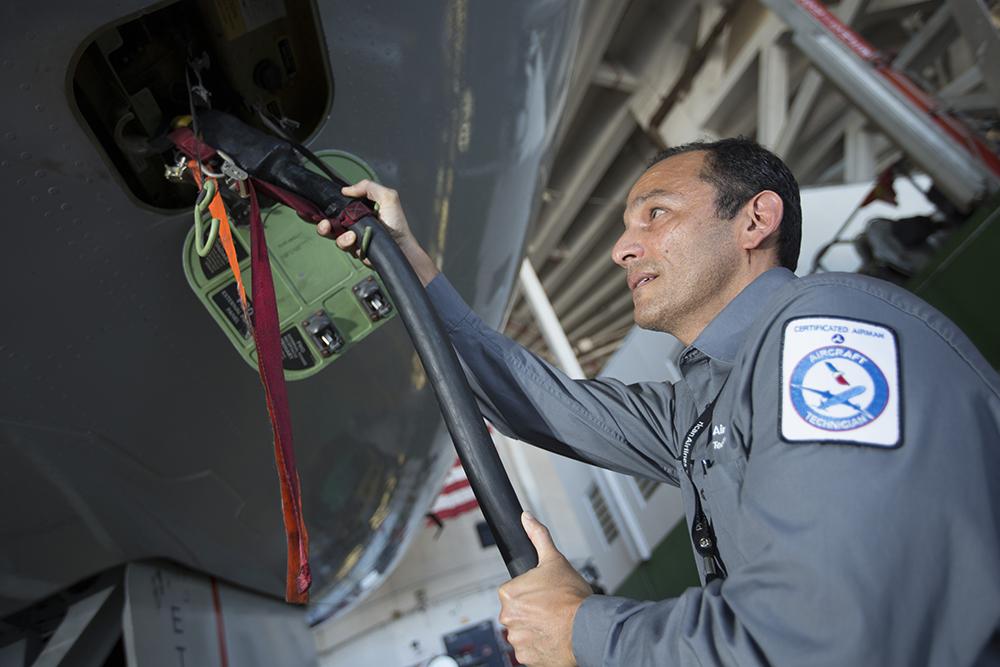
220	625
305	208
190	145
267	336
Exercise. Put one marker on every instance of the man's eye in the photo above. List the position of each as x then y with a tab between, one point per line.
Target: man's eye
656	212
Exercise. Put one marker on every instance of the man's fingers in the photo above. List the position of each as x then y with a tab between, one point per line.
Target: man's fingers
539	536
366	188
347	240
377	192
359	189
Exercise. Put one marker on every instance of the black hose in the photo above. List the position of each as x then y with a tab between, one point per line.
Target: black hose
475	448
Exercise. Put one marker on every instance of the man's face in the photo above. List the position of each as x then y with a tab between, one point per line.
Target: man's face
678	254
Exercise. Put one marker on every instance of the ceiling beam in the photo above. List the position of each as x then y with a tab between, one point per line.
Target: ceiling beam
693	66
615	77
808	160
929	41
596	273
611	333
810	86
859	150
962	84
772	93
600	23
594	227
594	301
598	156
615	310
802	105
979	31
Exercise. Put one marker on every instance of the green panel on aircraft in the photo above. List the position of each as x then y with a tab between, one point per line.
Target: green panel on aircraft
327	300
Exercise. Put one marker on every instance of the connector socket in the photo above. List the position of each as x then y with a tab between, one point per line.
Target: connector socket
324	335
370	294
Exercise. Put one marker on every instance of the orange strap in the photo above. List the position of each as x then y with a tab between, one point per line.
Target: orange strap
218	210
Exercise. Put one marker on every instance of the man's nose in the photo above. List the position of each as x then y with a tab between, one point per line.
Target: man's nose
626	250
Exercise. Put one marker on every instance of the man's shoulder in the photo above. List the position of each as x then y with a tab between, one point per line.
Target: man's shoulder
865	304
842	291
854	296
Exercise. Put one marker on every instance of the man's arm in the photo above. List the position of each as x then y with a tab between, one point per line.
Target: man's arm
603	421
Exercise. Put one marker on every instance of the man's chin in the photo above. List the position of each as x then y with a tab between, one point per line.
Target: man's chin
652	317
647	321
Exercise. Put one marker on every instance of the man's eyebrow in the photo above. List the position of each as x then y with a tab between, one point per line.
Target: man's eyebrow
649	194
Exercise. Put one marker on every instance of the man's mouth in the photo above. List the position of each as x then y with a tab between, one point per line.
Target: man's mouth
638	280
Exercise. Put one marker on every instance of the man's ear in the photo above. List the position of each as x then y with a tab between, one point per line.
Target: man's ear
762	220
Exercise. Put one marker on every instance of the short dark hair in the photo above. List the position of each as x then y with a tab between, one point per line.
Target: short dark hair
739	168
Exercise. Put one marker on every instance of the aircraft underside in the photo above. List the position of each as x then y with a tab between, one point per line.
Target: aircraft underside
132	426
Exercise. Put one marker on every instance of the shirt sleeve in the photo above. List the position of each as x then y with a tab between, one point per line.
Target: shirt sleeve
842	554
602	421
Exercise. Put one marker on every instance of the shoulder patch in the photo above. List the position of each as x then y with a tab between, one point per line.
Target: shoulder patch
839	382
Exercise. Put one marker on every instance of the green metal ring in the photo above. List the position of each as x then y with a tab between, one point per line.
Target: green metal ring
203	244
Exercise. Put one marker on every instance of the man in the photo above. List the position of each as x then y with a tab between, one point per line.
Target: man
835	440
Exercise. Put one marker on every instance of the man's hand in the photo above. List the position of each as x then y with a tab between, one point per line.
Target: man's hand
390	212
538	607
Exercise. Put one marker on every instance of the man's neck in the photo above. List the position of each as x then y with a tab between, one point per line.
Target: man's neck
688	331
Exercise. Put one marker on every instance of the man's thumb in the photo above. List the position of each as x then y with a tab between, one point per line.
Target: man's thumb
539	536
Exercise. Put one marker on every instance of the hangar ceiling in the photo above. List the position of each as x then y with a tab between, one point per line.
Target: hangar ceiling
654	73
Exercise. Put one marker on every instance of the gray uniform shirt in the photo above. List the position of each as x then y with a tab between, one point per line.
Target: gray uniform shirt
876	543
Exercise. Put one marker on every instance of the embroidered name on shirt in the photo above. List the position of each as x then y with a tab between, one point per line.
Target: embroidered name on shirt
839	382
718	436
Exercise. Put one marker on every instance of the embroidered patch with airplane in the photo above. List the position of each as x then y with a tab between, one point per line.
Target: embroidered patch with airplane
839	382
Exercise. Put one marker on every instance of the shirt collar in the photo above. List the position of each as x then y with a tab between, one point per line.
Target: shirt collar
722	338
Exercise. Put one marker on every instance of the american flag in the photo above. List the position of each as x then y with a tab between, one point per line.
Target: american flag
456	497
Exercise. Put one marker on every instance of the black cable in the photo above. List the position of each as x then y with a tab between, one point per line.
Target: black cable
475	448
299	148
